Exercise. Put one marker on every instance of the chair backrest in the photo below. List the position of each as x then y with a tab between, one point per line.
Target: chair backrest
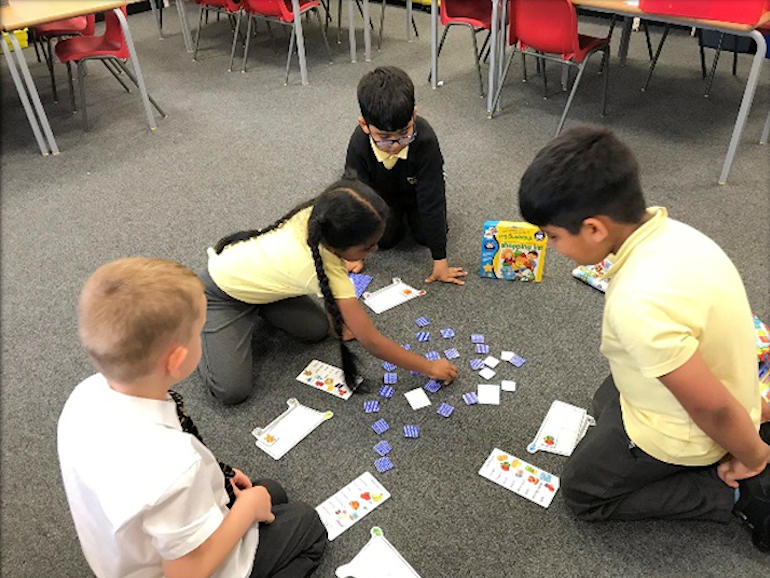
456	9
90	25
545	25
113	34
739	11
275	8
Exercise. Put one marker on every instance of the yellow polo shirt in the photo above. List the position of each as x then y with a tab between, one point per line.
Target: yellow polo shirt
388	160
673	292
277	265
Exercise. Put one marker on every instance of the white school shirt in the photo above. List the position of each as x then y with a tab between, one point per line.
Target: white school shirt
139	488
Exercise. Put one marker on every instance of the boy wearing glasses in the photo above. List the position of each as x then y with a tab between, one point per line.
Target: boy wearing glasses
396	152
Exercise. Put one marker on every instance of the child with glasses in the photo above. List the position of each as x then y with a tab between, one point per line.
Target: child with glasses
396	152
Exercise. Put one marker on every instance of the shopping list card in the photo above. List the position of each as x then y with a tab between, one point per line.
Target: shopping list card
563	427
326	378
391	296
377	559
520	477
289	428
351	503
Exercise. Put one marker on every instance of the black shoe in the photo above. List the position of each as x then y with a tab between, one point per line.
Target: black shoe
753	508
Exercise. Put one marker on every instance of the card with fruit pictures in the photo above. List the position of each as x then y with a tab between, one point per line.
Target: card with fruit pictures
520	477
563	427
351	503
326	378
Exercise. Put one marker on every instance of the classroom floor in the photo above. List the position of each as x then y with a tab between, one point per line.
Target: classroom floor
239	150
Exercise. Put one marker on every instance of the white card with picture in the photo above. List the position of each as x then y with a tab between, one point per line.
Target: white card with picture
351	503
326	378
520	477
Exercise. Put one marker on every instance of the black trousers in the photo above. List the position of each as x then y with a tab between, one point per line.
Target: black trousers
395	226
292	546
609	478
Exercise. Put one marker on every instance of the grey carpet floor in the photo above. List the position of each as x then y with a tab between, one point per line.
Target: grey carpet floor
237	151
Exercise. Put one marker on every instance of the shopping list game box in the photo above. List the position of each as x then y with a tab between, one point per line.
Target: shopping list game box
512	250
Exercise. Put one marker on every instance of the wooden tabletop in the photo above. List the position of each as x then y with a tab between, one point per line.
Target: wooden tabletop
24	13
631	8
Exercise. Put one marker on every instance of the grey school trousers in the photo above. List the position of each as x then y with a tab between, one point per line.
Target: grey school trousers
609	478
226	365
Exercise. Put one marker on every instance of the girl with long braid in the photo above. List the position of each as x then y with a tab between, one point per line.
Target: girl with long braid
270	273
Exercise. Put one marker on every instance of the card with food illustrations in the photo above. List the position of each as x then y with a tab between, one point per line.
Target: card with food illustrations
563	427
520	477
351	503
327	378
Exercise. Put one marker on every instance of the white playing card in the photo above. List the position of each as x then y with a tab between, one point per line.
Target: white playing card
487	373
506	355
417	398
491	361
508	385
489	393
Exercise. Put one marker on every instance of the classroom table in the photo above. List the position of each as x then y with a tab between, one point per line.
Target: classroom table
22	14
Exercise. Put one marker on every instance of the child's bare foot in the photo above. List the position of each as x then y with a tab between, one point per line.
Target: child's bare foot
355	266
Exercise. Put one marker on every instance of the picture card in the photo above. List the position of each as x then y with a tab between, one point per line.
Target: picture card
563	427
487	373
508	385
488	393
391	296
377	559
340	511
289	428
327	378
417	398
520	477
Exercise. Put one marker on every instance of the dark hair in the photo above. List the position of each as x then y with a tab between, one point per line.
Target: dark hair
346	214
386	98
587	171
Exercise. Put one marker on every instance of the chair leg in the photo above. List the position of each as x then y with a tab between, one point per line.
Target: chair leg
524	66
545	80
735	63
82	89
382	24
49	62
339	22
713	72
136	84
198	34
702	54
476	59
440	46
235	40
115	74
246	47
581	68
484	45
606	72
72	88
496	100
291	52
647	39
323	36
655	58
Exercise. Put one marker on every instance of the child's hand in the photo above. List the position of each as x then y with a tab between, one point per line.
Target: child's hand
731	470
354	266
258	501
446	274
442	370
240	480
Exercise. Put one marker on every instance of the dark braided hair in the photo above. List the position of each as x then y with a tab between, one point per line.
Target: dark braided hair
346	214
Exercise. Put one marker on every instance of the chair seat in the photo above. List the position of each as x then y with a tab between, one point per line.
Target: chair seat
472	12
285	13
74	49
587	44
68	27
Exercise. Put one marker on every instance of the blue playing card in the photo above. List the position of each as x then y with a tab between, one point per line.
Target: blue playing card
432	355
477	338
415	373
360	282
383	448
432	386
390	378
388	366
445	409
383	464
411	431
407	346
371	406
380	426
451	353
476	364
423	336
482	348
470	398
517	360
447	333
422	321
387	391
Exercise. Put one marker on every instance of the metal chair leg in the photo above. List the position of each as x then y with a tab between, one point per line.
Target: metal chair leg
339	22
496	100
291	52
82	89
702	54
72	88
246	47
382	24
545	80
524	66
136	83
655	58
198	33
235	40
581	68
440	46
713	72
647	39
323	36
113	73
476	58
606	72
735	63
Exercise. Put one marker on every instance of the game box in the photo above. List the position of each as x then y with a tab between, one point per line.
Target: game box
512	250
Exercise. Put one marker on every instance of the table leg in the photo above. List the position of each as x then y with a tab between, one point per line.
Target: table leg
625	39
42	118
748	97
408	20
493	56
352	30
434	43
156	14
367	33
24	98
184	25
300	41
137	69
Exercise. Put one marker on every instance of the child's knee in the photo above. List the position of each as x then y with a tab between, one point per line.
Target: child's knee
229	390
574	489
316	329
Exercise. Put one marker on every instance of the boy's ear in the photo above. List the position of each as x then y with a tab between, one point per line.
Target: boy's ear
175	358
363	125
596	229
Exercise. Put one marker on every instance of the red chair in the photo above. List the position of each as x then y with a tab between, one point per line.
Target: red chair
282	12
77	26
110	47
548	29
228	7
474	14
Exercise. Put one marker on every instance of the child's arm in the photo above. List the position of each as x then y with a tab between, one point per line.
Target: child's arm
720	416
251	505
359	323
